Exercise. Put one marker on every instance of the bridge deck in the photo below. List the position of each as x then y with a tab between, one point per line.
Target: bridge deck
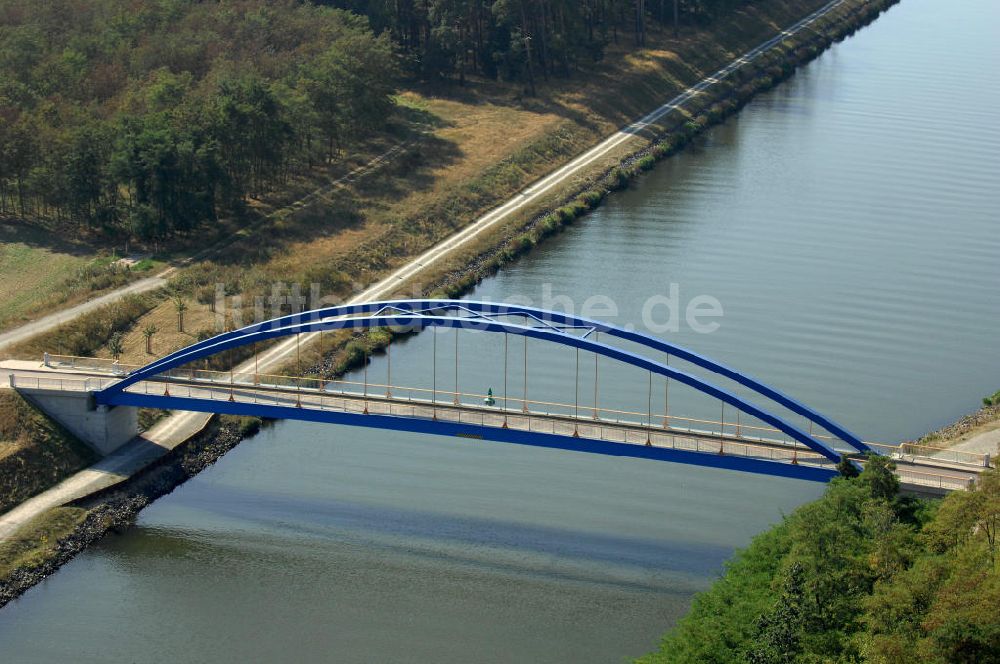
535	421
666	433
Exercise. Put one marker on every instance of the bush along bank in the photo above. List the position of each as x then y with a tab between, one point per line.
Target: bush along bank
42	547
863	574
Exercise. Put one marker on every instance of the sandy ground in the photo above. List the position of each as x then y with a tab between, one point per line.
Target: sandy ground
984	439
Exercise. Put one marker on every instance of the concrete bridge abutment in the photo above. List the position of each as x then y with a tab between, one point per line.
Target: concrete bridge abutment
103	428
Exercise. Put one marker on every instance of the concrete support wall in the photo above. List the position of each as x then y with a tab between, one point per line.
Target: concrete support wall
104	428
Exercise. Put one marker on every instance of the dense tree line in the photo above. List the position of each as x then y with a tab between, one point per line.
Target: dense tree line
519	39
149	117
861	575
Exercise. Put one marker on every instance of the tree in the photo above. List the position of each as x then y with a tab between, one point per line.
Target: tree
148	333
251	131
452	33
87	195
171	174
985	505
879	477
180	306
116	346
135	122
640	23
350	86
846	468
777	638
514	14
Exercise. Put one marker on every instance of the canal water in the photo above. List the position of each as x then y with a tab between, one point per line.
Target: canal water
846	223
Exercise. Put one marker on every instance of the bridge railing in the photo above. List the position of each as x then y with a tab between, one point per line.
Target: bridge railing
934	480
95	364
737	428
916	452
58	383
516	418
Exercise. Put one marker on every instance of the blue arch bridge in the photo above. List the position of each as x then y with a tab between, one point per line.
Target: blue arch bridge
759	429
766	431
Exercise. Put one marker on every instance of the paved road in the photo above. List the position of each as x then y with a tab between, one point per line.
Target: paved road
52	321
86	482
151	445
987	442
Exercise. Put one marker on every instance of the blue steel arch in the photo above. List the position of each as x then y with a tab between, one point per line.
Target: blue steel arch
543	315
552	326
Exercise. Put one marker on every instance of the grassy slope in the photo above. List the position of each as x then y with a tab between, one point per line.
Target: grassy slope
87	334
41	272
35	452
37	539
32	264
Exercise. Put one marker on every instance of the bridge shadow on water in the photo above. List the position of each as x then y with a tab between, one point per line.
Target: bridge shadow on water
567	554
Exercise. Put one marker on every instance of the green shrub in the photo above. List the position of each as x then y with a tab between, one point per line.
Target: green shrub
619	178
354	354
762	83
568	213
245	425
548	225
992	400
861	575
690	128
593	197
378	338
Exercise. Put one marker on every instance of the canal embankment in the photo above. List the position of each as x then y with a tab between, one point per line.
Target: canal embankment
53	538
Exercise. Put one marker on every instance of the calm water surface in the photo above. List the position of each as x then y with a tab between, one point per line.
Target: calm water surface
848	224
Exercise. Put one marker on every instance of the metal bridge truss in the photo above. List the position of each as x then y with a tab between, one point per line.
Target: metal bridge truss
499	423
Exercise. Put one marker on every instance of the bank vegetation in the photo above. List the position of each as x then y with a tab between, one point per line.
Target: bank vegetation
863	574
